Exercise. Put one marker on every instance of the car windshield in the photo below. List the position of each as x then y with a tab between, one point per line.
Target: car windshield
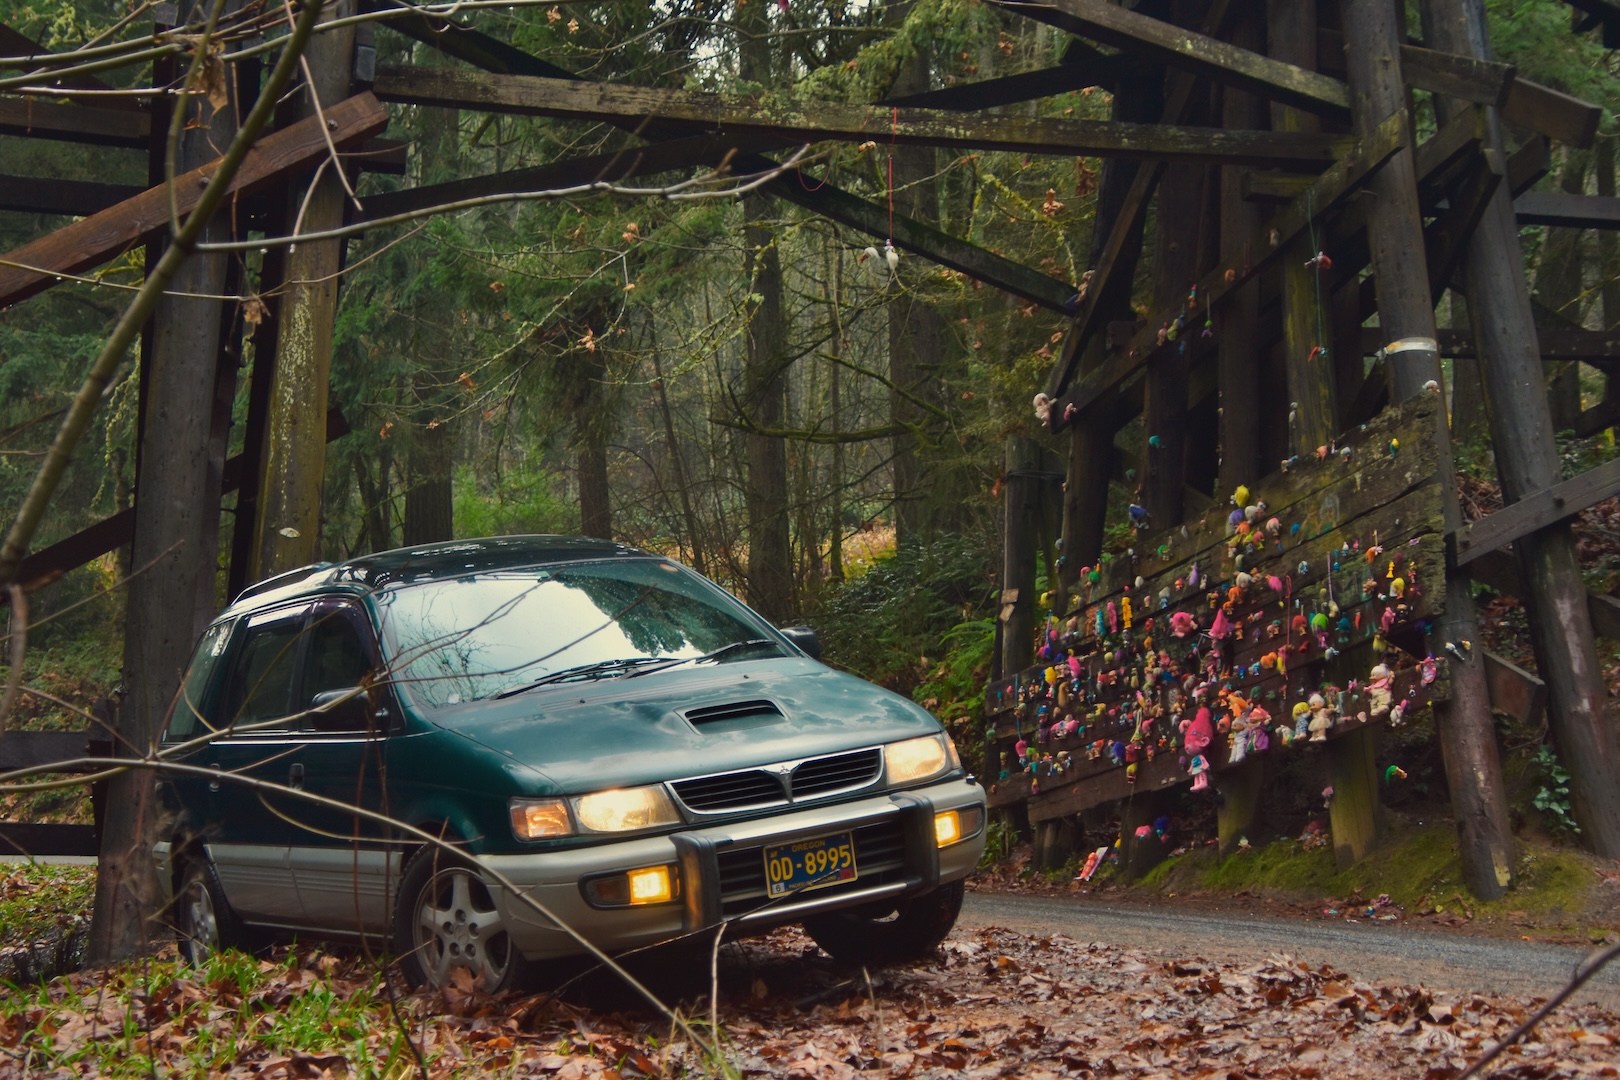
485	634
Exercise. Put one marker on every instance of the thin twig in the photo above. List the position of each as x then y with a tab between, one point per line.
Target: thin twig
1587	968
320	114
681	192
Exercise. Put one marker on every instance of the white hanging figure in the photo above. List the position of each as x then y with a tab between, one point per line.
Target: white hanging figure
890	256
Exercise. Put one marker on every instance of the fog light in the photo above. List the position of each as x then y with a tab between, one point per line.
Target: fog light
650	886
947	828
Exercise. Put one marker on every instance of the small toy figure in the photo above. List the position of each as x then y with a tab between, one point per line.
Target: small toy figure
1321	718
1379	694
1198	769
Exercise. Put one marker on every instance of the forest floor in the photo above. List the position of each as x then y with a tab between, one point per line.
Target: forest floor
994	1003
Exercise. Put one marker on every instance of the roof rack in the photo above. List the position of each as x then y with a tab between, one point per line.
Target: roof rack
286	578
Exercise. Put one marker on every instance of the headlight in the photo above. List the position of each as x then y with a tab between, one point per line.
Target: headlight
625	809
920	759
540	819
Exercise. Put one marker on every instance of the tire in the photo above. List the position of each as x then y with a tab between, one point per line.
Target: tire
909	930
203	919
446	919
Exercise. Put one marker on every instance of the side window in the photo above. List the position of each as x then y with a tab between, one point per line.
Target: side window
338	659
190	714
259	681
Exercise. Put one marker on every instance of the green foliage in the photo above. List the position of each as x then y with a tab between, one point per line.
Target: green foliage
518	502
888	622
1000	838
955	687
1552	796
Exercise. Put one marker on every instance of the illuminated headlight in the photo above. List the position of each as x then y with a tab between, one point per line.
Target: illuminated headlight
625	809
920	759
540	819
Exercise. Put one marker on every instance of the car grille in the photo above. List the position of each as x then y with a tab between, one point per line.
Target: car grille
880	857
752	789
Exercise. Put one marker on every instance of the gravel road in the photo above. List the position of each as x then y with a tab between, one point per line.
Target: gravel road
1367	951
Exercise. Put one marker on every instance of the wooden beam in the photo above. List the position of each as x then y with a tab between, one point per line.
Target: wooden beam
823	198
1567	210
91	241
1333	186
20	838
1552	113
1600	348
1081	66
1538	510
1484	82
112	533
48	195
1527	165
17	45
816	121
73	123
1193	52
1446	239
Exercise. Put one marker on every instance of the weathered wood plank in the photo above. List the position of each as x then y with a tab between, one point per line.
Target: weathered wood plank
1484	82
50	195
91	241
1190	51
1567	210
814	121
1538	510
73	123
1514	691
1551	113
32	749
17	838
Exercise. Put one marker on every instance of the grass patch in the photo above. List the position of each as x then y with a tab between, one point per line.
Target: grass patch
1281	866
37	901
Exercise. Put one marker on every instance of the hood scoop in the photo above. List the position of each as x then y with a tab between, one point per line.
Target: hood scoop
734	716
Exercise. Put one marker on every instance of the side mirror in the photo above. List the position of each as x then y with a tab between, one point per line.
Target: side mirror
805	638
351	711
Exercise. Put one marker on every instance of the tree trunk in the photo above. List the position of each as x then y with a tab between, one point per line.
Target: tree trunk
288	524
770	570
429	508
177	496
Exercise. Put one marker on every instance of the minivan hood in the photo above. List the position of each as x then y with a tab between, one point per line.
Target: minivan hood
688	721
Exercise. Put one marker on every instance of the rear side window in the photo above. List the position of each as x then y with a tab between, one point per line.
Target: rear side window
187	719
259	679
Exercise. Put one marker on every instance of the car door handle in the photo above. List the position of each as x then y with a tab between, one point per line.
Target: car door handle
295	776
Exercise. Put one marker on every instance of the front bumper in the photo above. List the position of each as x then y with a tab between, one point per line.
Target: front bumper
722	874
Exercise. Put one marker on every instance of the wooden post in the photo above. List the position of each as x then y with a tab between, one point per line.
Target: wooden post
1240	789
1313	416
1406	313
288	519
1527	461
1138	855
1018	490
1239	315
1175	268
1608	264
176	545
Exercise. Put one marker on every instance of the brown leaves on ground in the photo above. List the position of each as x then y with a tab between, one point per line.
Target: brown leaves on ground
994	1004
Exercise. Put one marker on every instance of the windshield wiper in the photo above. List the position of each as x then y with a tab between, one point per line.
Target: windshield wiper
599	669
709	657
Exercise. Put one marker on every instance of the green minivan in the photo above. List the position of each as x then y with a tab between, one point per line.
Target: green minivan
485	753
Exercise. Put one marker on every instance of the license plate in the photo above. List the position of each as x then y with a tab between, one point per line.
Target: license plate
809	864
